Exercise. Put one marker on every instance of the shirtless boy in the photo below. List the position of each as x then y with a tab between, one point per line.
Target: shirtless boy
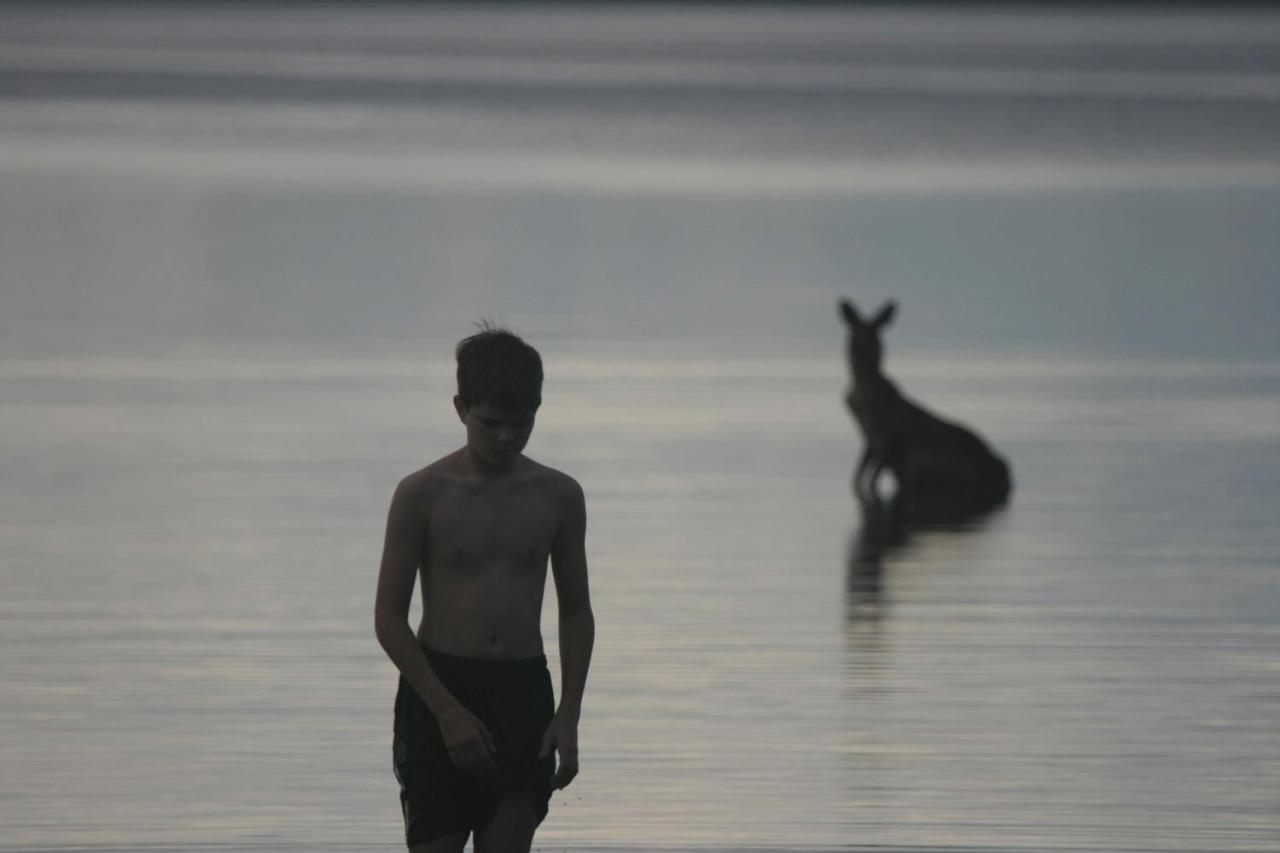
476	729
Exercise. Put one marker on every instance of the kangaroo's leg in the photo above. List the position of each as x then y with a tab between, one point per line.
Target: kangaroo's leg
878	464
859	473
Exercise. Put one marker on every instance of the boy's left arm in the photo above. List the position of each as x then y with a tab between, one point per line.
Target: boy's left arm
577	630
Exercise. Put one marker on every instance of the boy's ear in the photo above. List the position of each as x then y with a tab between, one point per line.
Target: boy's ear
459	407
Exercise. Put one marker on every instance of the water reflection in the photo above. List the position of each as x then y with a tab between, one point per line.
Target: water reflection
881	531
885	529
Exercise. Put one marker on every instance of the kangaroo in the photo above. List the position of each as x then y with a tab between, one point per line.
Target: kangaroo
944	472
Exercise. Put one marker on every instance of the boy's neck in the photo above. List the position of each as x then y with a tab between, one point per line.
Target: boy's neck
487	470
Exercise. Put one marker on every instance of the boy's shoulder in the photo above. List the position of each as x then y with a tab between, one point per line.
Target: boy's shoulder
427	480
558	482
451	469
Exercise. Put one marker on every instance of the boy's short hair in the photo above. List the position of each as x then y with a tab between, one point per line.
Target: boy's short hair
495	366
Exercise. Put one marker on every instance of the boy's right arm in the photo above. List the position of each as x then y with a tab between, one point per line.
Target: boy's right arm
470	745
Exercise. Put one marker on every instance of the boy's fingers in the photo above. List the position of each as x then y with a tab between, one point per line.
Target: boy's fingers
488	740
474	759
482	762
564	776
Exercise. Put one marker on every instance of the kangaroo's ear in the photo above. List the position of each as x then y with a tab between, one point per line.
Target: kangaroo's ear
884	315
849	313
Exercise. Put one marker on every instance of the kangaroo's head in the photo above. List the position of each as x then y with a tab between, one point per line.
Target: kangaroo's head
864	337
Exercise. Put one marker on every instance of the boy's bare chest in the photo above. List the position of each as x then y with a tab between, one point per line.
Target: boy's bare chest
470	528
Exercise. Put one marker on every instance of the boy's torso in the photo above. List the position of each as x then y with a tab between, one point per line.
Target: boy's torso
484	557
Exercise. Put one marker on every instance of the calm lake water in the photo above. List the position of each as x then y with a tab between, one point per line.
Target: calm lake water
236	253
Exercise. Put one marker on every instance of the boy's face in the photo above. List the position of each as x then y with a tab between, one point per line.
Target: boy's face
495	434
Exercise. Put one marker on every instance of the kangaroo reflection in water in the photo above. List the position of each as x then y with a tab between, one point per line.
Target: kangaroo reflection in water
880	532
944	475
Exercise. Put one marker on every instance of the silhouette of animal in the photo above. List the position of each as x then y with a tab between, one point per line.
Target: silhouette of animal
944	472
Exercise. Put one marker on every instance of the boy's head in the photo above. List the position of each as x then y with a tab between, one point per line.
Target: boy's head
497	368
499	391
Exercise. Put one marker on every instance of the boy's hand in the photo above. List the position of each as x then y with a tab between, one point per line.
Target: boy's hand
470	745
563	734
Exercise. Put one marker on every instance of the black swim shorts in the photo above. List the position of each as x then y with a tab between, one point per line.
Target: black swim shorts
514	700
